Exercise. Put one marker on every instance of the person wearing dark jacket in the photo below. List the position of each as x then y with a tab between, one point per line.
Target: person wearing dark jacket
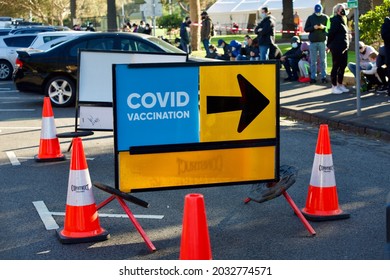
291	58
265	31
185	35
338	44
382	69
385	33
226	50
316	27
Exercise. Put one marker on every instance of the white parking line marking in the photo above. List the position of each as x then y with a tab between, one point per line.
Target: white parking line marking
45	215
20	127
103	215
12	158
49	222
17	110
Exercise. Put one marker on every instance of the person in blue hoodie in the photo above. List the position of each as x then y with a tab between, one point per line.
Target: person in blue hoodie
291	58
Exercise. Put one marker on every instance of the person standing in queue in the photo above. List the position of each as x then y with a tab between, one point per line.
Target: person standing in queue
206	31
316	27
338	44
265	31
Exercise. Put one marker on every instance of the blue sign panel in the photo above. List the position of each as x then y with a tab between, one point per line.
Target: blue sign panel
156	105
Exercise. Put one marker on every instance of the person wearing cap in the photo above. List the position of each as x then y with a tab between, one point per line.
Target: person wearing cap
385	34
265	31
316	27
206	31
338	44
291	58
364	61
226	50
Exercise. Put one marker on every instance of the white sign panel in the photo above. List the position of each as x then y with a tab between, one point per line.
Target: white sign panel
95	118
95	76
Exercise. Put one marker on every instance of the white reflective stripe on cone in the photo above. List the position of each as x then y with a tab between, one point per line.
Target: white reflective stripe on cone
48	130
322	174
79	188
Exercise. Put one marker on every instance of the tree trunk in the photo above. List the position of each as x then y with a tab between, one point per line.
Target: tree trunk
288	18
73	11
365	6
111	16
195	27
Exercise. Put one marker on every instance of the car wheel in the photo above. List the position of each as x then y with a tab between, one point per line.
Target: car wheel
61	90
5	70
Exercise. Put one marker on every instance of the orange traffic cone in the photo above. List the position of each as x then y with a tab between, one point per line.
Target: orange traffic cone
195	242
49	146
81	216
322	201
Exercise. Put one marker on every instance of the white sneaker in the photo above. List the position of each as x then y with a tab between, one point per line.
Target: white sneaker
343	88
336	90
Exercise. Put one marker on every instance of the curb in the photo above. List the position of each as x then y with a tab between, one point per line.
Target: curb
335	124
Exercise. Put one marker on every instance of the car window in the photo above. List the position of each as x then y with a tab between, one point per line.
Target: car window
101	44
136	46
75	48
19	41
51	37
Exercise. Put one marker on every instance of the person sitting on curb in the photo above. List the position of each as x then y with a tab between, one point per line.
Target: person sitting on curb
291	58
364	62
213	53
247	49
371	75
304	64
226	50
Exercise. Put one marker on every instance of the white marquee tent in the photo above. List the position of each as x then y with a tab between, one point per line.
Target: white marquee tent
246	13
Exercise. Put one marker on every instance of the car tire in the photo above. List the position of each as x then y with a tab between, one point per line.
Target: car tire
6	70
61	90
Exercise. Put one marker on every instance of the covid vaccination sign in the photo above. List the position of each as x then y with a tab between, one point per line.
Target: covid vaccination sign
162	108
198	124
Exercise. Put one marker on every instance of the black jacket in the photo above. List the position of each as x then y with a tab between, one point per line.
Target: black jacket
316	35
265	31
294	53
338	40
385	31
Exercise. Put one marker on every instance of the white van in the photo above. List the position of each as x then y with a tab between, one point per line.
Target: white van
44	38
5	22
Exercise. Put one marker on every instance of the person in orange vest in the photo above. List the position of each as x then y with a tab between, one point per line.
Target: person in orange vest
296	21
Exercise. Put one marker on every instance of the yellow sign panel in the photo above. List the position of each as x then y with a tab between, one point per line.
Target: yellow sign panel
187	168
238	102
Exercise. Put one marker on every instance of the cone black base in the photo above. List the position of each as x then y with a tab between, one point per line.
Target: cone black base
37	159
68	240
315	218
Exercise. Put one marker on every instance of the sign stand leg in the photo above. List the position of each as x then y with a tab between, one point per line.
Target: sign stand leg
120	196
298	213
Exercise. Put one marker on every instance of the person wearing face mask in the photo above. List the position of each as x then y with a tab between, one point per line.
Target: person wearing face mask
364	61
206	31
338	44
185	38
248	48
316	27
291	59
265	31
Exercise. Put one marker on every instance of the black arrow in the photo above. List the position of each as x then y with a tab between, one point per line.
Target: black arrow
252	103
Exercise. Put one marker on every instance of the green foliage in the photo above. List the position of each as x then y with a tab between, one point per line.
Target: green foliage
370	24
170	21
